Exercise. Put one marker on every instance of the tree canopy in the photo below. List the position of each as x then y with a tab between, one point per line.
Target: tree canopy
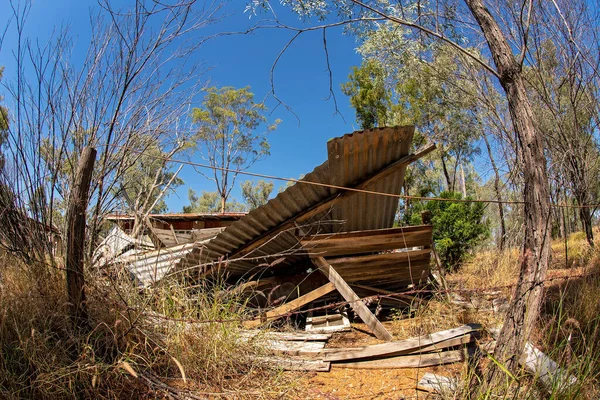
231	135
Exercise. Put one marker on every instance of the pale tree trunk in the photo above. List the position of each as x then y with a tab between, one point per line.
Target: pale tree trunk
502	241
526	301
463	183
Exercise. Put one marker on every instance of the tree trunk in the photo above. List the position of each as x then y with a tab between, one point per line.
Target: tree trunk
449	185
585	216
526	301
502	239
76	213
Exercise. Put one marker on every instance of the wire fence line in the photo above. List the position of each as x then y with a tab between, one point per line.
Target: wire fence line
346	188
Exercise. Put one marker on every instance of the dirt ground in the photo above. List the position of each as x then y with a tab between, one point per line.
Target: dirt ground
380	384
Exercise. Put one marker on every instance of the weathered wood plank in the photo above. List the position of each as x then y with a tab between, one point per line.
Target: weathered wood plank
367	241
445	344
413	273
293	348
409	361
292	305
287	336
294	364
433	383
354	301
382	261
399	347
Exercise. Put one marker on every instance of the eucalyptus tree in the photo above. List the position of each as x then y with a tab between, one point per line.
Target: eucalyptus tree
231	134
256	194
566	109
210	202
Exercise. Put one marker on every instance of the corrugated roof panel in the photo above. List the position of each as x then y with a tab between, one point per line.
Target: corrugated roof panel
351	159
354	156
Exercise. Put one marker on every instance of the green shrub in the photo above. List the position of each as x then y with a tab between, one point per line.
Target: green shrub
457	226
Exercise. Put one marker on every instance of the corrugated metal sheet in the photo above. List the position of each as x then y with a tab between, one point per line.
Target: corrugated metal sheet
148	268
352	158
117	242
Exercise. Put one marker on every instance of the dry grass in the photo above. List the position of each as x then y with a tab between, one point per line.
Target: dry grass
129	341
568	329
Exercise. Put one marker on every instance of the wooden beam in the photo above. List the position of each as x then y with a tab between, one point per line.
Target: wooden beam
292	305
326	203
174	235
368	241
292	364
399	347
416	361
355	302
444	344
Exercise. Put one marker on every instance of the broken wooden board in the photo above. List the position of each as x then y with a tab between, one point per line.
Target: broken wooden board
287	336
353	300
294	364
407	361
370	241
328	323
291	306
398	347
433	383
293	348
445	344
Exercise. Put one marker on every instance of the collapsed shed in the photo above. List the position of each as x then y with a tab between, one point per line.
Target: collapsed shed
331	231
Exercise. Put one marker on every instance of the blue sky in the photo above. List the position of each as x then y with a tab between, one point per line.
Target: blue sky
301	78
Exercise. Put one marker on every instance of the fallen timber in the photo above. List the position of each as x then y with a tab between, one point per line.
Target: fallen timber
428	350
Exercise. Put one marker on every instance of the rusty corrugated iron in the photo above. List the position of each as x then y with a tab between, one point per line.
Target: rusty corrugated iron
352	158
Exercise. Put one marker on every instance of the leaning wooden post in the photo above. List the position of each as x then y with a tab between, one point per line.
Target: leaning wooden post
76	221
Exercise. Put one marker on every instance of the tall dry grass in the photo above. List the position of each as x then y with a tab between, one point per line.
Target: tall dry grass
137	341
568	329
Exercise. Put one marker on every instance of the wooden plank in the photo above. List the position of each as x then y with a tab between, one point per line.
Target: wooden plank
433	383
287	336
401	346
348	294
294	364
174	235
325	204
292	305
413	273
327	323
293	348
380	261
411	361
368	241
445	344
